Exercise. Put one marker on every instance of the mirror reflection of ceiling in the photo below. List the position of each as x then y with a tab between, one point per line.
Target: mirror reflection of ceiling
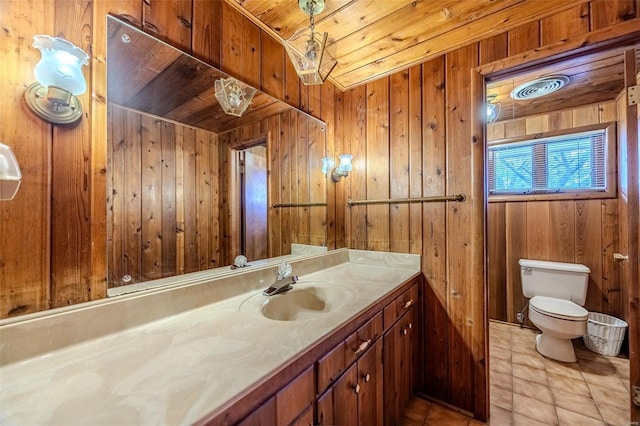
593	78
148	75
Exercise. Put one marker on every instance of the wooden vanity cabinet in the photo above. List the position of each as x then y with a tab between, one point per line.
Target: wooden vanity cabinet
400	342
360	375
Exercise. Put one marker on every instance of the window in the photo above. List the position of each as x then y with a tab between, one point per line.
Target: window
552	164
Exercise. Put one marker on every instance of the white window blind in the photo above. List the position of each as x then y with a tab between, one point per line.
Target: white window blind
574	162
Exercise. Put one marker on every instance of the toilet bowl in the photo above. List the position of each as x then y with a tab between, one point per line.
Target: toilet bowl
559	321
557	292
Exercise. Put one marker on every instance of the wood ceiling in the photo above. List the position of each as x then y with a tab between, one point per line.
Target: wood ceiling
374	38
593	79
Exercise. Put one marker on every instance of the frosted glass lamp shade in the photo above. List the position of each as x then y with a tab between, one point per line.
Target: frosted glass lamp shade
59	79
343	168
327	164
310	55
345	162
234	96
61	64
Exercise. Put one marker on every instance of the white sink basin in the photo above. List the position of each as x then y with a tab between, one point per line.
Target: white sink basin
300	303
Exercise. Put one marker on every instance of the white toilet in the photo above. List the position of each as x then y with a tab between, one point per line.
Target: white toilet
557	291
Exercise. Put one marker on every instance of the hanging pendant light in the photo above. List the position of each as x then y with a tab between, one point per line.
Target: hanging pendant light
308	49
233	95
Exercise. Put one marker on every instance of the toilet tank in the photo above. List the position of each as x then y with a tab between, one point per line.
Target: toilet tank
561	280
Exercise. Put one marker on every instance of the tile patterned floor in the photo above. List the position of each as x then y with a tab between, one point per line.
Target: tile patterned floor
528	389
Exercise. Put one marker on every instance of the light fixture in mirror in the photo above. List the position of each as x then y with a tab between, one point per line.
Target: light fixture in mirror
233	95
327	164
308	49
343	168
59	79
493	108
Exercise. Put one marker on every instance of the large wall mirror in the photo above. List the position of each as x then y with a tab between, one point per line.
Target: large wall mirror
191	187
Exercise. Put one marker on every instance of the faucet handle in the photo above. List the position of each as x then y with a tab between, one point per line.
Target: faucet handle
284	270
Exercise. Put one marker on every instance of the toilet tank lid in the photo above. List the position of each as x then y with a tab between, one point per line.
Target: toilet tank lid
556	266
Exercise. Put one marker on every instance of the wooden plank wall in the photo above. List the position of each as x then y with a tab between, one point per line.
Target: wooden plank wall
163	215
575	231
295	146
413	134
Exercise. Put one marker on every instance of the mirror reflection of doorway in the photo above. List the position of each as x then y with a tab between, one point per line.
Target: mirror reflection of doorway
253	201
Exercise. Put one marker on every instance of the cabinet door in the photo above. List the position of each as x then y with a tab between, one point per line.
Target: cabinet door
345	398
392	355
370	377
398	352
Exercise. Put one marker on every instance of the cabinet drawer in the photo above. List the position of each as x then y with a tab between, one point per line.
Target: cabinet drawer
400	305
330	367
361	340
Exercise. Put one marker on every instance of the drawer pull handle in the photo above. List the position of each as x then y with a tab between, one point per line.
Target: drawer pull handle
404	331
356	388
363	347
410	326
366	377
408	303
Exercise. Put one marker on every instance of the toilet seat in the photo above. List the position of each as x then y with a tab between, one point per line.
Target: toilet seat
558	308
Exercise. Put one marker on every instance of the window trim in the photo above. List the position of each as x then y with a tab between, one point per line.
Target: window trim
611	176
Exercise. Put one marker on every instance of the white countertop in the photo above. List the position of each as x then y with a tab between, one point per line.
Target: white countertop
178	369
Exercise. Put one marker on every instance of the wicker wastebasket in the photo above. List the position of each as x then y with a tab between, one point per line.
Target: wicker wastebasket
604	334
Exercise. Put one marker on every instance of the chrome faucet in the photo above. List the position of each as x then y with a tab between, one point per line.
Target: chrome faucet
284	280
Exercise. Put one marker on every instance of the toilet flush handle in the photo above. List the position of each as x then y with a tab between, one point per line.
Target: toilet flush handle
620	257
526	269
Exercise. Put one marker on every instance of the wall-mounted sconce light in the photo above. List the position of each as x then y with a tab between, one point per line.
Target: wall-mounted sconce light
327	164
10	175
59	75
493	108
308	49
343	168
233	95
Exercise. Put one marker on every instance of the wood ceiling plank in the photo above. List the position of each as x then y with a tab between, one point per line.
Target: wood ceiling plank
390	59
420	20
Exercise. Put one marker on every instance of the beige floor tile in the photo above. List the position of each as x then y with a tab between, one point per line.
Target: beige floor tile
532	360
532	390
577	403
501	397
615	397
614	415
530	373
527	348
535	409
496	325
568	369
568	384
417	409
525	338
571	418
520	420
613	382
500	366
502	380
500	417
497	343
439	415
602	367
500	353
